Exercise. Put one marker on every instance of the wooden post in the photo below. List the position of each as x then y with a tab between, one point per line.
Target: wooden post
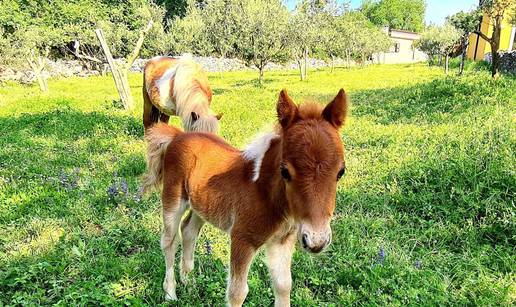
120	71
123	91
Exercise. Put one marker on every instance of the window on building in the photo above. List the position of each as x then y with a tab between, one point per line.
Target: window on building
396	47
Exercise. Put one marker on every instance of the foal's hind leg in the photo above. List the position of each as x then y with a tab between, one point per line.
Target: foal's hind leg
190	228
173	209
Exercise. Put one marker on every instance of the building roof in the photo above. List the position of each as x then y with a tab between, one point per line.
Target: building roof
403	34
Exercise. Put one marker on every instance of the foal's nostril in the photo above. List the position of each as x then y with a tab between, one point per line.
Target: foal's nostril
305	238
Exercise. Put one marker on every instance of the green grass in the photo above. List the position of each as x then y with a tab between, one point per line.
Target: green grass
426	213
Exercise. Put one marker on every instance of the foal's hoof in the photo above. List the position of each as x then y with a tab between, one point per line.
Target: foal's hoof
184	272
170	296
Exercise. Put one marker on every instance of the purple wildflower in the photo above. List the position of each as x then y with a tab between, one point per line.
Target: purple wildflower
69	182
381	255
418	264
207	245
112	191
123	186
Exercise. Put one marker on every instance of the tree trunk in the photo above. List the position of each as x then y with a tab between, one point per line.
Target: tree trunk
440	60
348	58
332	63
219	64
261	75
446	62
495	67
37	64
495	46
463	56
306	63
300	64
42	82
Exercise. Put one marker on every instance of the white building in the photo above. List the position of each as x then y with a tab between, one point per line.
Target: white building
403	50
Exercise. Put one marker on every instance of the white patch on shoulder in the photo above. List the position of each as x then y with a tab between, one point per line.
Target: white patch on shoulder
256	150
163	85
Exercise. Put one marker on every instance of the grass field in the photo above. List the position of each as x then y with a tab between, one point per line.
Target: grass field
426	214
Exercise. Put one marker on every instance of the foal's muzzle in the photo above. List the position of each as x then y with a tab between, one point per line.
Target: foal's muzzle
312	241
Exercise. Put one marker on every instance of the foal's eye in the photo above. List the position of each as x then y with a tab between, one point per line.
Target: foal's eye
285	173
341	173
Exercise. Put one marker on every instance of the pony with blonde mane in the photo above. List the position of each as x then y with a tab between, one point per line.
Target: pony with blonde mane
279	190
180	87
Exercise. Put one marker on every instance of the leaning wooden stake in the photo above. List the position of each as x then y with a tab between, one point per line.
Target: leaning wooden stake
120	70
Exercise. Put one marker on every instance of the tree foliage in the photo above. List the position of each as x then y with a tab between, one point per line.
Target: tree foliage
188	34
398	14
439	41
62	24
352	36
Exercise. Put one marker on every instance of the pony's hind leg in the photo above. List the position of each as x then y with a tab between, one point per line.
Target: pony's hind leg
173	209
190	229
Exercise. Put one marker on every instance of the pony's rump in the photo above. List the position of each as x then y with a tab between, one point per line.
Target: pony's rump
158	138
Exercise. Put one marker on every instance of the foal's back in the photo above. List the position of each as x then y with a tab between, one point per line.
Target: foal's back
213	174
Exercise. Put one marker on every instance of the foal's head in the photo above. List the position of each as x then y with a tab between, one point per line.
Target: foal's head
312	161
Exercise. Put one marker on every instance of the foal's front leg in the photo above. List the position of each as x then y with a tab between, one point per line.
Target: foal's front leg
279	258
242	254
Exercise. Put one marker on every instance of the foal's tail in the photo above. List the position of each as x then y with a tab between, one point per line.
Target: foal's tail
158	138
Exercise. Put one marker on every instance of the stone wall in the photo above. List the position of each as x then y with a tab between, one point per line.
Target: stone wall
507	61
68	68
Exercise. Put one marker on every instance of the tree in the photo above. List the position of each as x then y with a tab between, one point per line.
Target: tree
439	40
188	34
398	14
303	34
467	23
352	35
173	8
263	33
495	10
221	21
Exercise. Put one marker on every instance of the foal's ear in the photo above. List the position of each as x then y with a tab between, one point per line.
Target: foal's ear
335	112
286	109
195	116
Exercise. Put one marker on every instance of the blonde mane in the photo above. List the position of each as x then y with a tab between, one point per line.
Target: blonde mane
191	95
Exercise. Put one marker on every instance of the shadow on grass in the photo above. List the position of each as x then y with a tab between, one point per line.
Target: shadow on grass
66	124
439	101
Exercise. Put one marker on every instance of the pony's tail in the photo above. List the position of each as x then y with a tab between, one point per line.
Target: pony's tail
158	138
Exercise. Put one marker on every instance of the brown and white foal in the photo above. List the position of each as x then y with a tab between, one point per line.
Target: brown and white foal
281	188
